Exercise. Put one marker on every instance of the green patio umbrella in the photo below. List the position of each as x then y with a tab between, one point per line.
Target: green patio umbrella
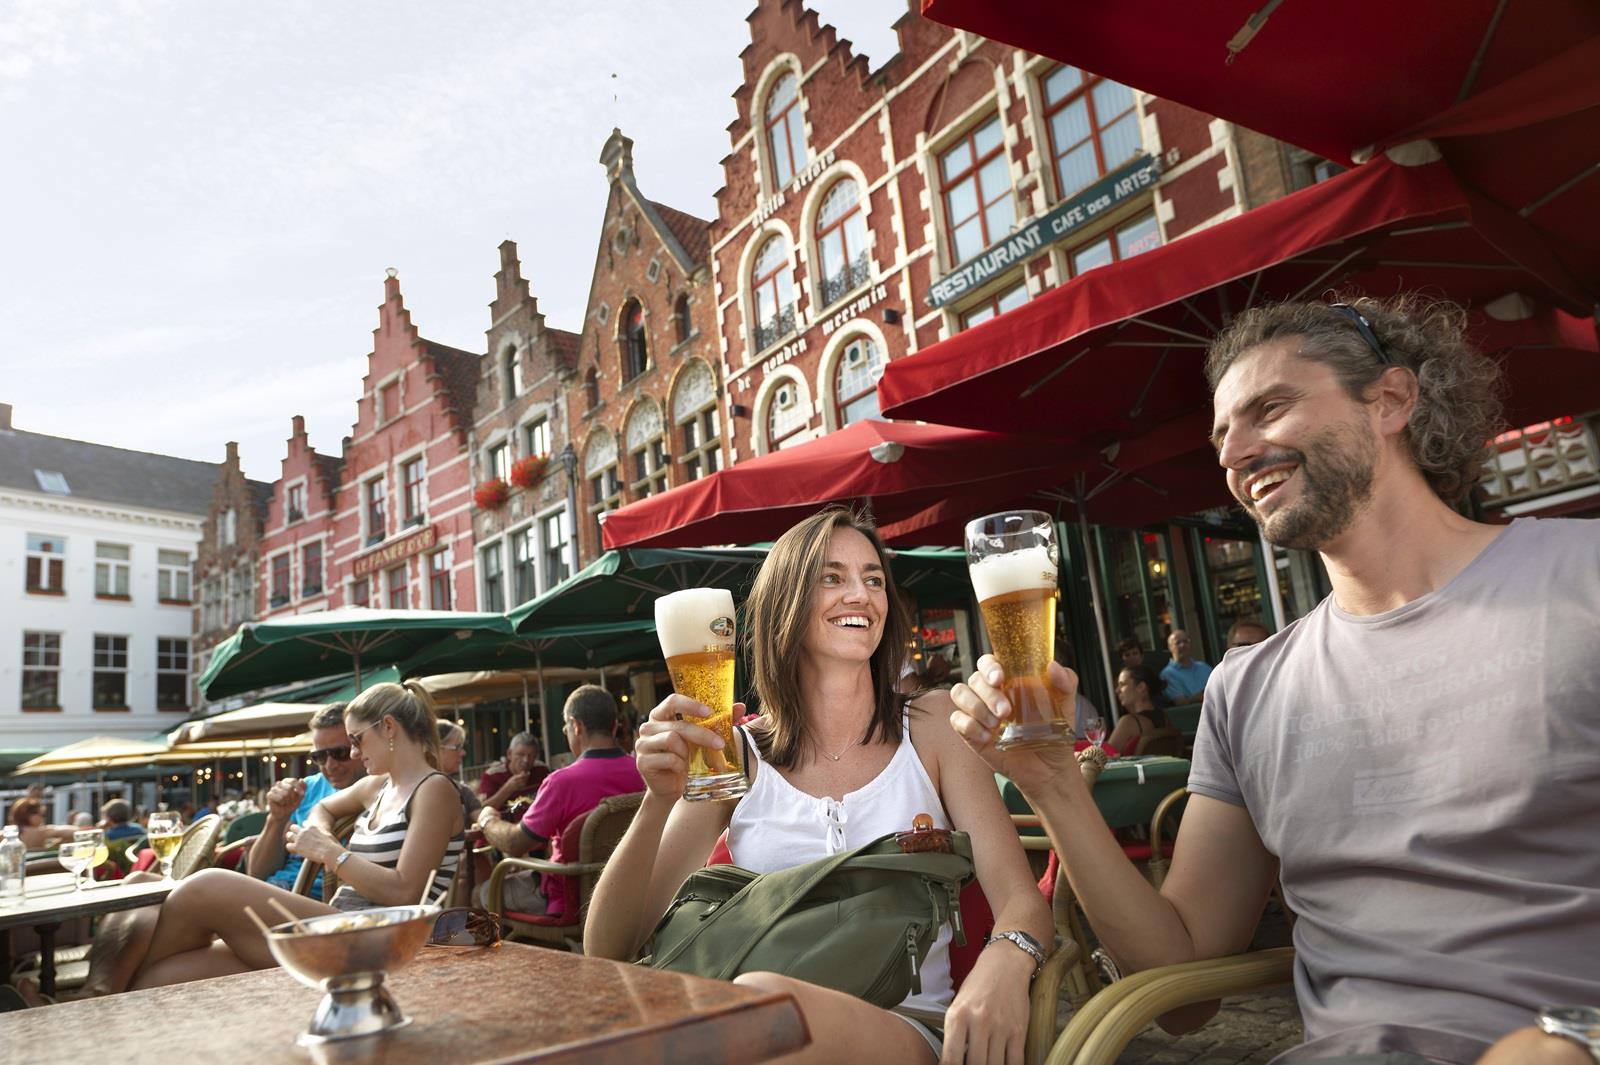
265	654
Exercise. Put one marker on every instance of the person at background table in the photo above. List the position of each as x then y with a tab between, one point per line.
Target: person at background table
117	820
1245	632
1129	651
27	813
405	847
838	758
600	769
452	749
1143	697
291	800
1435	831
1185	676
518	776
80	819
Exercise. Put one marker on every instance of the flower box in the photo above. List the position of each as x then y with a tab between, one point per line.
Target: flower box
529	471
491	495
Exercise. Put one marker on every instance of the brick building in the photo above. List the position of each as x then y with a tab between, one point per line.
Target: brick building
646	412
227	560
523	388
387	523
869	213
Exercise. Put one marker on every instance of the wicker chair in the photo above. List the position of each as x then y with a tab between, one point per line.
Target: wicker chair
307	876
590	839
199	846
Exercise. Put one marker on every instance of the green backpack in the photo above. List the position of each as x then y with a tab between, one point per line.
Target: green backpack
860	922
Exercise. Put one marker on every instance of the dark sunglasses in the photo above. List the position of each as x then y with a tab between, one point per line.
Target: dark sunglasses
338	754
463	926
1364	327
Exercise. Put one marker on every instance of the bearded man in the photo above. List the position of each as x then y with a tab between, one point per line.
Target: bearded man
1432	815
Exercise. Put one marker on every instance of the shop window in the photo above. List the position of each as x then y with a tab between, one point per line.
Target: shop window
785	139
46	565
994	306
1130	239
773	290
976	178
1093	125
842	241
855	382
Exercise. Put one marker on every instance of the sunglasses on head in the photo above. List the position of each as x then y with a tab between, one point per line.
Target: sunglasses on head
1364	327
338	754
465	926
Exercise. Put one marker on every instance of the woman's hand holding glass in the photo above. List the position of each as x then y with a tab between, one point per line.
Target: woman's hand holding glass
667	740
981	711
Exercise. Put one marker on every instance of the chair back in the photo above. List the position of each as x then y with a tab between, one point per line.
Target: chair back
247	825
1168	741
198	849
307	876
602	830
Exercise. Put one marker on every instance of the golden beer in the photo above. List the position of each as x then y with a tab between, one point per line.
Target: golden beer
165	844
695	627
1013	563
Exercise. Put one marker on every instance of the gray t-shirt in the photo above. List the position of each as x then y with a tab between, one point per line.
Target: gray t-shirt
1429	778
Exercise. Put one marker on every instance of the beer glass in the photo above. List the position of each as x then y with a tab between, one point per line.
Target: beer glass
1012	559
164	832
695	627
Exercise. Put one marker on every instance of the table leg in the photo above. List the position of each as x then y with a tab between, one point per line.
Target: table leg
47	957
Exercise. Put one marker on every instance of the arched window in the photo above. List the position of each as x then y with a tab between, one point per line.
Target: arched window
647	450
786	416
842	240
694	412
785	141
511	374
680	316
635	354
774	293
591	388
600	469
855	382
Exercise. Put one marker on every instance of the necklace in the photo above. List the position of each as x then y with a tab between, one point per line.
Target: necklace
842	750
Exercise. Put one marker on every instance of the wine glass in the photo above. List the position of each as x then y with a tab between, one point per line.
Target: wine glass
1094	730
99	856
164	832
75	858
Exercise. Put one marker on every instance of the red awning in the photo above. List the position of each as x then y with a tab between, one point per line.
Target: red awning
1119	349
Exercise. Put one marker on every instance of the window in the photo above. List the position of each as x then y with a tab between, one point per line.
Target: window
296	507
605	493
396	579
439	580
1093	127
702	444
172	673
524	564
977	191
361	592
228	528
996	305
555	532
494	592
172	576
511	374
389	402
41	671
591	389
635	353
411	478
774	293
855	382
500	462
842	241
110	672
785	139
647	450
311	568
280	581
680	317
377	520
53	482
211	604
786	416
244	592
536	438
1130	239
46	564
111	571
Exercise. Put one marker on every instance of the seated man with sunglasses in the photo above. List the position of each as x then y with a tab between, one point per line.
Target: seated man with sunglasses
291	800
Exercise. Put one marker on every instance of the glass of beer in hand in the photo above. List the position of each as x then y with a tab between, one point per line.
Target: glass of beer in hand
695	627
1013	559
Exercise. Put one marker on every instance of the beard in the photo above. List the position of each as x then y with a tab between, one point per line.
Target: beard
1336	472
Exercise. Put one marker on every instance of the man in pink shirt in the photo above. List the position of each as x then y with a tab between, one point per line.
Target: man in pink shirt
600	769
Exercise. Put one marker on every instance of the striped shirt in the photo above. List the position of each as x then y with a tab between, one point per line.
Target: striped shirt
380	844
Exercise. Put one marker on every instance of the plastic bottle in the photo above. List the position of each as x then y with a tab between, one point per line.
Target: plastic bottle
13	867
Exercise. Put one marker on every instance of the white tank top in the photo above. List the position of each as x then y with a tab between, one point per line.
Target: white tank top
776	826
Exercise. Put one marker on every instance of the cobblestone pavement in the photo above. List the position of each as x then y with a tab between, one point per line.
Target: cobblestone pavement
1249	1030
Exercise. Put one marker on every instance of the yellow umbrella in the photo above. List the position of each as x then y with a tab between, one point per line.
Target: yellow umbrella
264	720
96	752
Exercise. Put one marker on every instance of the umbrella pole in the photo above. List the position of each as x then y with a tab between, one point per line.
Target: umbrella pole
1270	565
1097	601
355	657
538	665
527	716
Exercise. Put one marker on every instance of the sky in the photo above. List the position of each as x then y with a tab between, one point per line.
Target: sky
201	196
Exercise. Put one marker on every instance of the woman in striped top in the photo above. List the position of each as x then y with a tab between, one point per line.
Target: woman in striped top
406	846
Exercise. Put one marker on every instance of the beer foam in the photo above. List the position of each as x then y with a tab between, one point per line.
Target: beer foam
1014	571
684	620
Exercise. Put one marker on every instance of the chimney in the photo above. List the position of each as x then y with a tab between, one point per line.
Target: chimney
5	417
233	453
299	426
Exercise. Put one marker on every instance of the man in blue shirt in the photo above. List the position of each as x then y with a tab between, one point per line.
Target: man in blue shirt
290	801
1185	675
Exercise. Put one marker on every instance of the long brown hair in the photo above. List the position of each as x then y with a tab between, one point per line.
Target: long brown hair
776	616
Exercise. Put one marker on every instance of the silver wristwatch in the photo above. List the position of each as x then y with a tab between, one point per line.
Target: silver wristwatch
1024	942
1581	1024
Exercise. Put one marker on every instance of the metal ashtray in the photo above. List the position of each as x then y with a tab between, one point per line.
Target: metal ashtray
347	956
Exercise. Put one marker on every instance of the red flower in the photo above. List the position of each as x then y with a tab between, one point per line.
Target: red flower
491	495
529	471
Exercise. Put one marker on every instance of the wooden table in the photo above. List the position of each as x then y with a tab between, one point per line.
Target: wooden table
51	900
505	1004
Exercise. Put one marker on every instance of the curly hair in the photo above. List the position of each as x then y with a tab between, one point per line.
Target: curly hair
1460	391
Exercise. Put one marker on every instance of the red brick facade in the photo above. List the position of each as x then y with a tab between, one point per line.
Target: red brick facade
945	150
225	565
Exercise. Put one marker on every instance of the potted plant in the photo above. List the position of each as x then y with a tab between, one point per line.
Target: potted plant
529	471
491	495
